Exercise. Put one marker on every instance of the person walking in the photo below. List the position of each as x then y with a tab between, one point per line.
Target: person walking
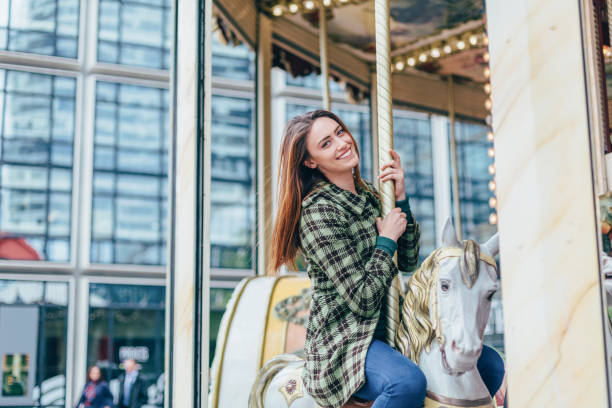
96	393
132	388
333	217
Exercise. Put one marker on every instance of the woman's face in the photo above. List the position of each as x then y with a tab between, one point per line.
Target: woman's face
94	374
330	148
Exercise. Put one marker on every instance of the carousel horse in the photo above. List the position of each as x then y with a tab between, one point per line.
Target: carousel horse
443	319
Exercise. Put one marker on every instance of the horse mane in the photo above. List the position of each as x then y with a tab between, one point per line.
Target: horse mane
416	331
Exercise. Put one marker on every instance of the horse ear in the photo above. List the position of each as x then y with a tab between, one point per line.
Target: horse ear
492	245
449	236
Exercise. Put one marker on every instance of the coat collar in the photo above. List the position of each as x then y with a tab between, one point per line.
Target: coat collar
354	203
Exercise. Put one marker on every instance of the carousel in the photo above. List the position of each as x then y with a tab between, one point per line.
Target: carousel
533	72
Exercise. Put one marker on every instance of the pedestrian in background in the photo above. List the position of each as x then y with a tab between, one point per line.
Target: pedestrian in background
96	393
132	388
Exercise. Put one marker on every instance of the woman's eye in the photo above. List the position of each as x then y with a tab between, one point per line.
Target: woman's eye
341	131
324	144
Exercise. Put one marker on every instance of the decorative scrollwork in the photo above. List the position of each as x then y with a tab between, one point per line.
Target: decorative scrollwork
288	309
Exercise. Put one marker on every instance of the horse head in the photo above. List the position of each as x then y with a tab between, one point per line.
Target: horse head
448	301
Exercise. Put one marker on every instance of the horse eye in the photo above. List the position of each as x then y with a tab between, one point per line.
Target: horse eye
490	297
444	285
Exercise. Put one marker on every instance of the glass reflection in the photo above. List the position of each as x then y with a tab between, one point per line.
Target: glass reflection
233	186
135	32
128	321
130	175
37	116
49	27
37	317
473	163
412	140
235	62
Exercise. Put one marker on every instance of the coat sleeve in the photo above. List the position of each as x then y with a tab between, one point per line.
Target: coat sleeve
408	244
360	281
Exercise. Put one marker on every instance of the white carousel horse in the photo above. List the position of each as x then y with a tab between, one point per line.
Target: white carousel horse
444	315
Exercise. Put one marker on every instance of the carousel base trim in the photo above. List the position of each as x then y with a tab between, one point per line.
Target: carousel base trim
433	400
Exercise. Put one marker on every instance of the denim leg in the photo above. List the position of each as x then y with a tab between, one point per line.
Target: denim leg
491	368
392	380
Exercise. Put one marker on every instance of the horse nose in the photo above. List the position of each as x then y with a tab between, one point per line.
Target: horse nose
468	346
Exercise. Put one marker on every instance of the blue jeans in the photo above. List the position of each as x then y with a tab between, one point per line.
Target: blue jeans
388	389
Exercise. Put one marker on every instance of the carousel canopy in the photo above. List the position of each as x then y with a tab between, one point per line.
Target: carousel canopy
430	41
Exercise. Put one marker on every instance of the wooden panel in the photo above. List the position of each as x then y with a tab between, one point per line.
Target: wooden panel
430	93
306	44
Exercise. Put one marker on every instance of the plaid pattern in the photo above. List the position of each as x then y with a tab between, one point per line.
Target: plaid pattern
349	277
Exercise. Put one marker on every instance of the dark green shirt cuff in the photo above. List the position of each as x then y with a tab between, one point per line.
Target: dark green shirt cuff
404	205
386	244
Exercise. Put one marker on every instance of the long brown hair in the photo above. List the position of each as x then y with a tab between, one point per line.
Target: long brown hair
295	182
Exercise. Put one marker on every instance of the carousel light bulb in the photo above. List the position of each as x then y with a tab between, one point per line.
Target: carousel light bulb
493	202
487	88
411	61
485	39
399	65
309	4
490	136
277	10
343	1
488	104
447	49
492	185
461	44
435	53
473	39
493	219
486	72
489	120
293	8
327	3
423	57
491	152
486	56
492	169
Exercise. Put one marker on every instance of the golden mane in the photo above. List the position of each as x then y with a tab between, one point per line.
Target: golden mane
416	331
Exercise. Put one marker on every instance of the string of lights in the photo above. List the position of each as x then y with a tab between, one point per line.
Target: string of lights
278	8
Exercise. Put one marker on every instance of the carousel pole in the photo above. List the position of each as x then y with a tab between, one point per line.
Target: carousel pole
323	56
385	143
453	155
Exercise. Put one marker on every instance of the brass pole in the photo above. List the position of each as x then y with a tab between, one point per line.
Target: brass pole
385	143
453	154
323	57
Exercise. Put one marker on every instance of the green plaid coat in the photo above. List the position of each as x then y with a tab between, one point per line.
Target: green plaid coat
349	278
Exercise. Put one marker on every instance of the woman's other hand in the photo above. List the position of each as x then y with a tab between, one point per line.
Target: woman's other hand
393	225
393	170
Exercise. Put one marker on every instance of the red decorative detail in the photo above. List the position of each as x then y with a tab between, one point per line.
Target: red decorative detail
291	386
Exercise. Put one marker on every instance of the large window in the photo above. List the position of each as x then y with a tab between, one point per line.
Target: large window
233	188
473	163
130	175
127	321
33	323
135	32
36	136
412	140
234	62
49	27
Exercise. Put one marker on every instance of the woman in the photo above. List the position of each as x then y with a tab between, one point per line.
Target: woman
96	393
333	217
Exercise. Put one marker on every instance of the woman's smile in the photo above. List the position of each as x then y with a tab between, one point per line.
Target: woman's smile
347	154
